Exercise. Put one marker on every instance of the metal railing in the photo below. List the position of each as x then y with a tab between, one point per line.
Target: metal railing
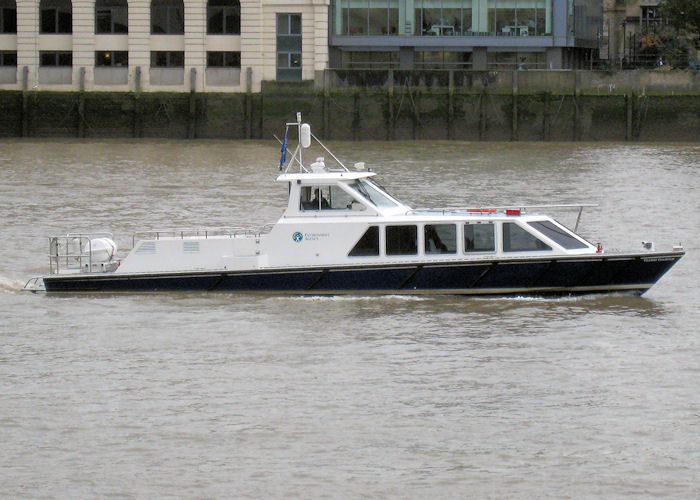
72	251
201	232
495	210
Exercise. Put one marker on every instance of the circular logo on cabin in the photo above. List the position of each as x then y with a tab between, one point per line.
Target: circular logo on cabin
297	236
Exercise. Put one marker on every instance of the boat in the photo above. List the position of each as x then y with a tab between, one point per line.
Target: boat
343	233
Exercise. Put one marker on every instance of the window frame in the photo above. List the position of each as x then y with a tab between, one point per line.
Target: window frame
114	56
427	238
225	55
400	243
494	237
112	9
9	12
61	15
171	9
368	232
169	54
231	9
57	54
538	241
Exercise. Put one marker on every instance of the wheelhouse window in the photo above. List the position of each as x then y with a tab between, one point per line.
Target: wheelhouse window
517	239
167	17
440	238
8	16
55	58
224	17
223	59
374	193
368	244
111	16
328	198
112	58
56	16
401	240
558	234
479	237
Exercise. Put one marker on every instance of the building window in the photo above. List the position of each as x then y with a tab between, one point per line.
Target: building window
111	16
224	17
223	59
368	18
8	16
55	58
442	59
651	17
289	46
8	58
112	58
522	18
167	17
167	59
370	60
401	240
56	16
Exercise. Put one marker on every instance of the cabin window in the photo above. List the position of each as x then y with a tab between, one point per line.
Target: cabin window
401	240
368	245
517	239
440	238
328	198
479	238
558	234
374	193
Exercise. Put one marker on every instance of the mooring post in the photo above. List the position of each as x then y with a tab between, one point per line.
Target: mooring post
390	130
451	106
356	116
326	105
25	101
136	117
192	116
514	119
81	103
576	114
249	103
546	117
629	105
482	114
416	115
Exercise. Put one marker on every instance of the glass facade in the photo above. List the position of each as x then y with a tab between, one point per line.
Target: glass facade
442	17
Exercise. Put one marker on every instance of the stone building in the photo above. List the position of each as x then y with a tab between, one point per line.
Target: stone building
160	45
235	45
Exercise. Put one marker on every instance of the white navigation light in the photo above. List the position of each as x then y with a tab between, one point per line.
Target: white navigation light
305	135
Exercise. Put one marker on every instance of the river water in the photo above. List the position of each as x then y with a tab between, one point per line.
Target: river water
210	395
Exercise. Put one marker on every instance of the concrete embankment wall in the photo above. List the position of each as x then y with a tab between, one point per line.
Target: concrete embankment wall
386	105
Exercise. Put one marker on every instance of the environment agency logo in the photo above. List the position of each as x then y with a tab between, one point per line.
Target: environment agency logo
297	236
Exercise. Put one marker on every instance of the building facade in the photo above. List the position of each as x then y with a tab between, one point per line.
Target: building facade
235	45
160	45
465	34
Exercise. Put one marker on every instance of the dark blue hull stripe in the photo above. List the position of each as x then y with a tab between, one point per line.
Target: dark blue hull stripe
584	274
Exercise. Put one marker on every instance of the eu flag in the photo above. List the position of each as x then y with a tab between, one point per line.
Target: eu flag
283	158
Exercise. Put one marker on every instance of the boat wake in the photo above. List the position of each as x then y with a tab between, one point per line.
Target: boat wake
8	285
354	298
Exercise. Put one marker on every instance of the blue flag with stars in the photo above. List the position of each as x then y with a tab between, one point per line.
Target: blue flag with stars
283	158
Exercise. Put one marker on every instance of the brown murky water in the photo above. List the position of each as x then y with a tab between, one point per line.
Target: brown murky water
224	395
